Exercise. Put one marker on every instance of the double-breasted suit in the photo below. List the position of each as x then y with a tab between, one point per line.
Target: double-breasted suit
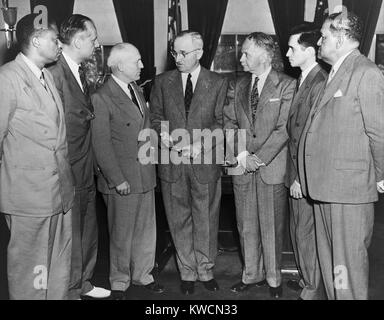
191	192
78	115
260	198
341	156
36	183
302	224
118	149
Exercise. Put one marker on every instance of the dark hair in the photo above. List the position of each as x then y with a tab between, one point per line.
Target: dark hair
347	22
70	27
309	35
28	27
264	41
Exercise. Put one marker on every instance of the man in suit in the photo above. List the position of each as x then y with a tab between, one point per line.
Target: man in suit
36	183
302	53
189	98
126	181
341	156
79	37
258	104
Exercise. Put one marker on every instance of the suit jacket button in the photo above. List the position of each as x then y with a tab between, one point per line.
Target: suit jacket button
254	136
297	124
128	124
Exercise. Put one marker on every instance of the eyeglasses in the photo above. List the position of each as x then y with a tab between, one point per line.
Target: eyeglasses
182	53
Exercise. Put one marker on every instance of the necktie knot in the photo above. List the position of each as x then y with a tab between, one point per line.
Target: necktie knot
133	97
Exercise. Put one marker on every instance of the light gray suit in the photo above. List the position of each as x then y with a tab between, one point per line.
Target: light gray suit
341	156
36	184
131	219
261	197
302	223
191	192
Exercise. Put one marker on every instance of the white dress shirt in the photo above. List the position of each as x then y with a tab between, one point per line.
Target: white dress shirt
337	66
34	68
194	76
74	68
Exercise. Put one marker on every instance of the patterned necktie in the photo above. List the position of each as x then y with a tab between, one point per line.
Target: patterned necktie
133	97
254	99
188	94
83	81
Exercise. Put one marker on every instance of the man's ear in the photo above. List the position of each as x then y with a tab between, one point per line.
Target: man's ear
35	42
340	41
200	54
76	42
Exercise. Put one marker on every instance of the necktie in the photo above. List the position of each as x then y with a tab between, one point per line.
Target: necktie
83	81
188	94
298	83
133	97
254	99
331	75
45	85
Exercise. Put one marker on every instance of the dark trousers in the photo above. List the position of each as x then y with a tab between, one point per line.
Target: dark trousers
302	229
39	257
344	233
192	211
260	210
84	242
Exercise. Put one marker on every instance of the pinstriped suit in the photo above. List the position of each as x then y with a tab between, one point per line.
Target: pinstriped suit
301	210
261	197
341	156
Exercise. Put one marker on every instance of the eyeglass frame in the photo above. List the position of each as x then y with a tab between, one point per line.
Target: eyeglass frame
175	54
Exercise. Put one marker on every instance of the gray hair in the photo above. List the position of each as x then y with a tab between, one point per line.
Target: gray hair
264	41
116	55
196	37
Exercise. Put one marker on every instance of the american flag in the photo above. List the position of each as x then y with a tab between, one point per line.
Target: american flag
174	25
321	12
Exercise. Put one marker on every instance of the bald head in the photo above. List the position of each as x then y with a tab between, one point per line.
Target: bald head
125	62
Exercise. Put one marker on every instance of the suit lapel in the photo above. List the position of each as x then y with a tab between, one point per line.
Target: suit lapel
307	84
123	102
73	85
334	85
201	90
39	96
176	91
244	95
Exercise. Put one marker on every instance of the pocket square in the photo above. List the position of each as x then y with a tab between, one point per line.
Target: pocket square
274	99
338	94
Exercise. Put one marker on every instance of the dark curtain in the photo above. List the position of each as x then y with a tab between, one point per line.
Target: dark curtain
136	22
368	11
57	10
207	17
286	15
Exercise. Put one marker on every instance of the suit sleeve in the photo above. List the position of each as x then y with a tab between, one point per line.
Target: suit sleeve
371	96
231	124
102	143
279	137
7	108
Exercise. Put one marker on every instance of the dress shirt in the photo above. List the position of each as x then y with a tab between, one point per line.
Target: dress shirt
34	68
337	66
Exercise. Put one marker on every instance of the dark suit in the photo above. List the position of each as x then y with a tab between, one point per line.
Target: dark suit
261	197
191	193
341	156
302	224
36	184
78	115
131	219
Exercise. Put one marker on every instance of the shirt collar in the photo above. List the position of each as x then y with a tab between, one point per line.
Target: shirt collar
72	64
339	62
306	72
121	83
194	74
31	65
262	77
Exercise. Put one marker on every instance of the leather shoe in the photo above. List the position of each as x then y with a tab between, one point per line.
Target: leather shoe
187	287
241	286
211	285
96	293
154	287
277	292
117	295
294	285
